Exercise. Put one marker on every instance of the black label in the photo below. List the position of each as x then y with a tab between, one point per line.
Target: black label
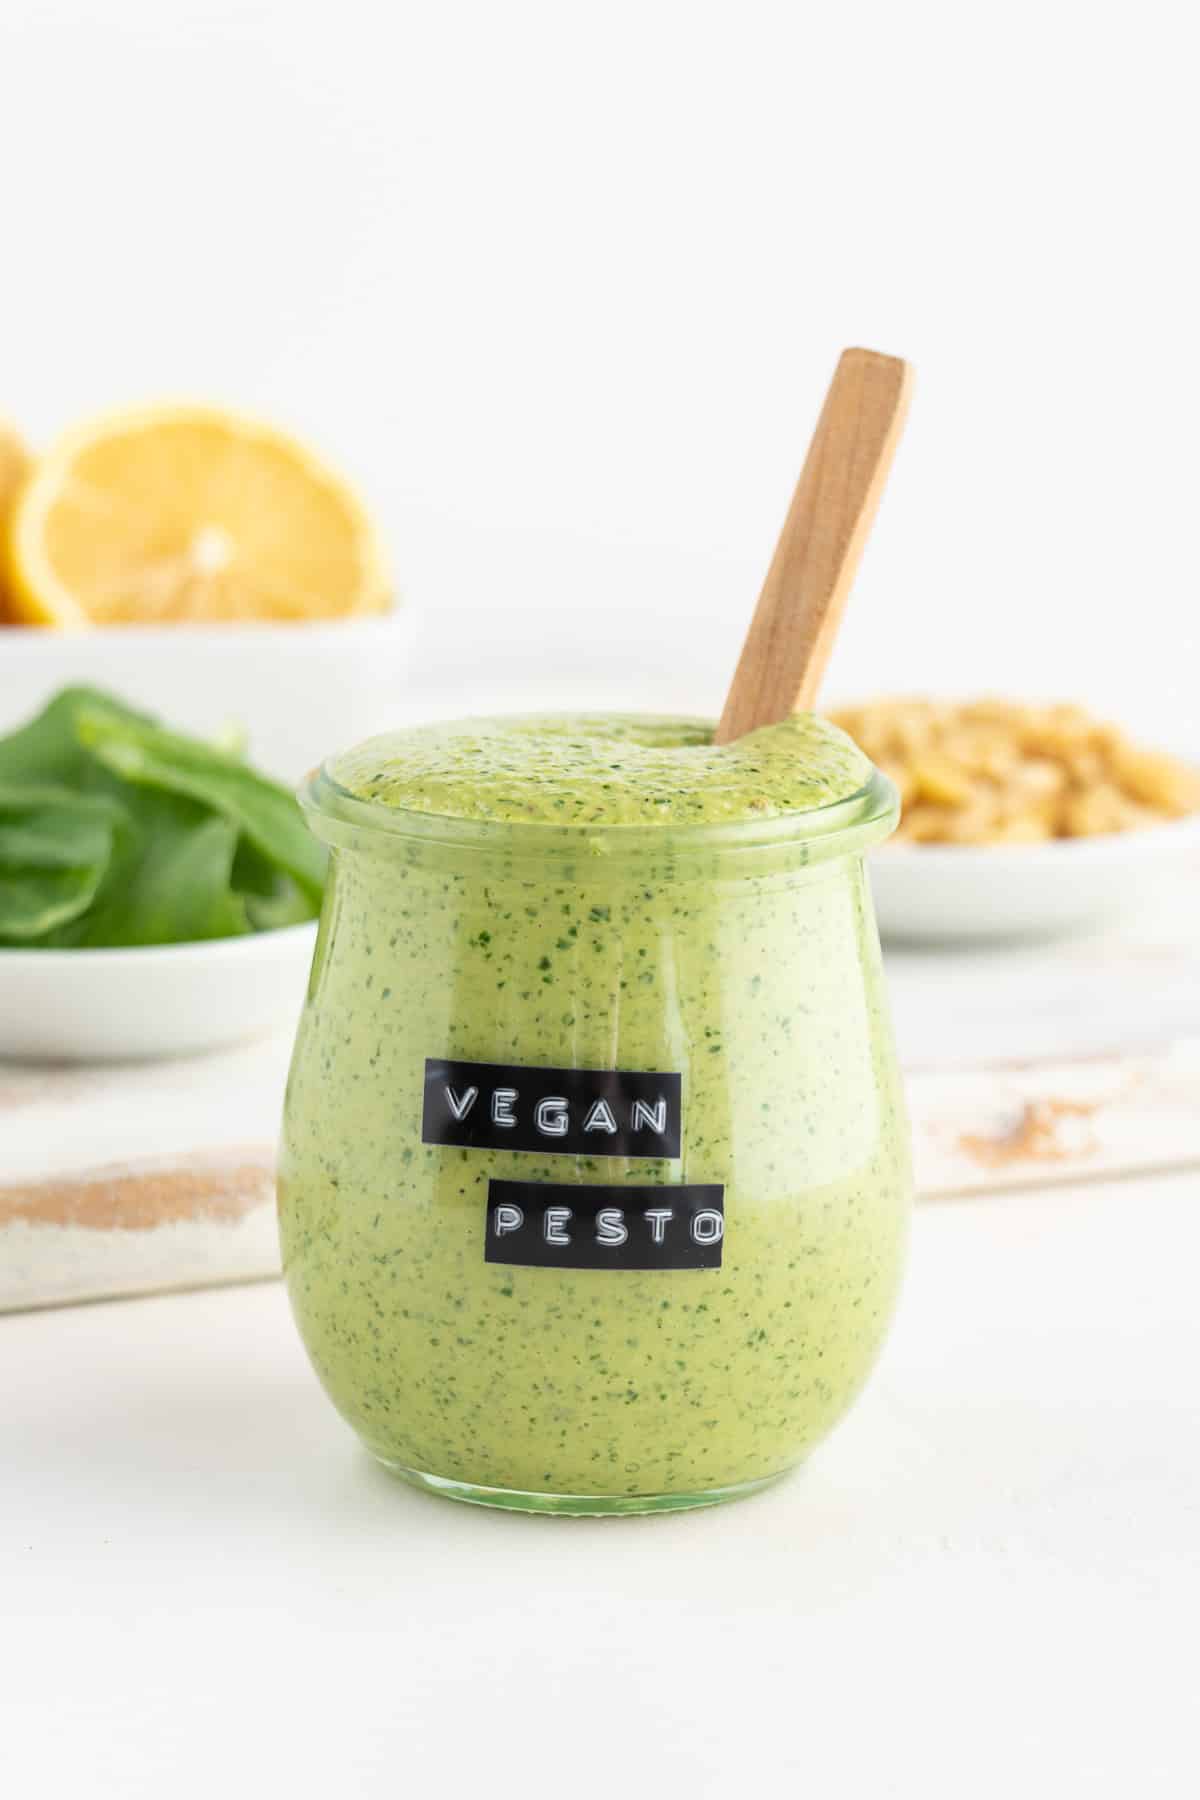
565	1112
547	1225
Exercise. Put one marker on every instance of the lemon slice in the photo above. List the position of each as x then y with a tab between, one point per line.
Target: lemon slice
14	467
185	514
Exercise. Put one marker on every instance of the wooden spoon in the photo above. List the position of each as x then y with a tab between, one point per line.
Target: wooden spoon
817	556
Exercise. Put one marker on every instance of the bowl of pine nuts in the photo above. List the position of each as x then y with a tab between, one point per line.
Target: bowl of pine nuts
1019	818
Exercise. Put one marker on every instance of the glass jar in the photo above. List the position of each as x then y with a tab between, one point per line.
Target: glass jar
594	1182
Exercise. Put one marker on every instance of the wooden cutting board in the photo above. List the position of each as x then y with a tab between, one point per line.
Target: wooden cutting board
1024	1066
1063	1061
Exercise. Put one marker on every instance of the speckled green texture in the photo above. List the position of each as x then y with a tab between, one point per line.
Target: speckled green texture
604	769
761	985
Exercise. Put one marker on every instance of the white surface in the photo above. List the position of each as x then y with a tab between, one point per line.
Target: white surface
1128	989
986	1130
63	1122
562	289
294	689
986	1583
159	1000
959	893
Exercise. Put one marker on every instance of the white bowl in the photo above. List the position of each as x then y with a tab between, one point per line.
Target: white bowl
950	893
164	1000
300	691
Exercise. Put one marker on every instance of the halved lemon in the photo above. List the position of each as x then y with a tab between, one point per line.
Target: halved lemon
15	463
188	514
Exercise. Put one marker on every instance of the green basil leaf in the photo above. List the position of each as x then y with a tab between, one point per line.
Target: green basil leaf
47	750
115	831
55	849
35	902
264	812
53	828
272	898
173	887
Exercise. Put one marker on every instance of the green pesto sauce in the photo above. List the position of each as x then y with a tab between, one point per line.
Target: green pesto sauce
605	769
764	990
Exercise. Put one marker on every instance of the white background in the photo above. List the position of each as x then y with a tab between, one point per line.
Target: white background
561	286
984	1587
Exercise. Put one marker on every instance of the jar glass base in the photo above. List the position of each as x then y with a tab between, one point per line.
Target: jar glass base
575	1505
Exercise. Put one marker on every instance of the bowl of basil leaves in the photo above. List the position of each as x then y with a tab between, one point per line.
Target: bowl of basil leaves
157	893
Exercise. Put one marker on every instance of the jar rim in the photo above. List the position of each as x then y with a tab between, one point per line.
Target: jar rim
837	828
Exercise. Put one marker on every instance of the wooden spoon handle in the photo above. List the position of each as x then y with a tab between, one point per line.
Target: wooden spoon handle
832	510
